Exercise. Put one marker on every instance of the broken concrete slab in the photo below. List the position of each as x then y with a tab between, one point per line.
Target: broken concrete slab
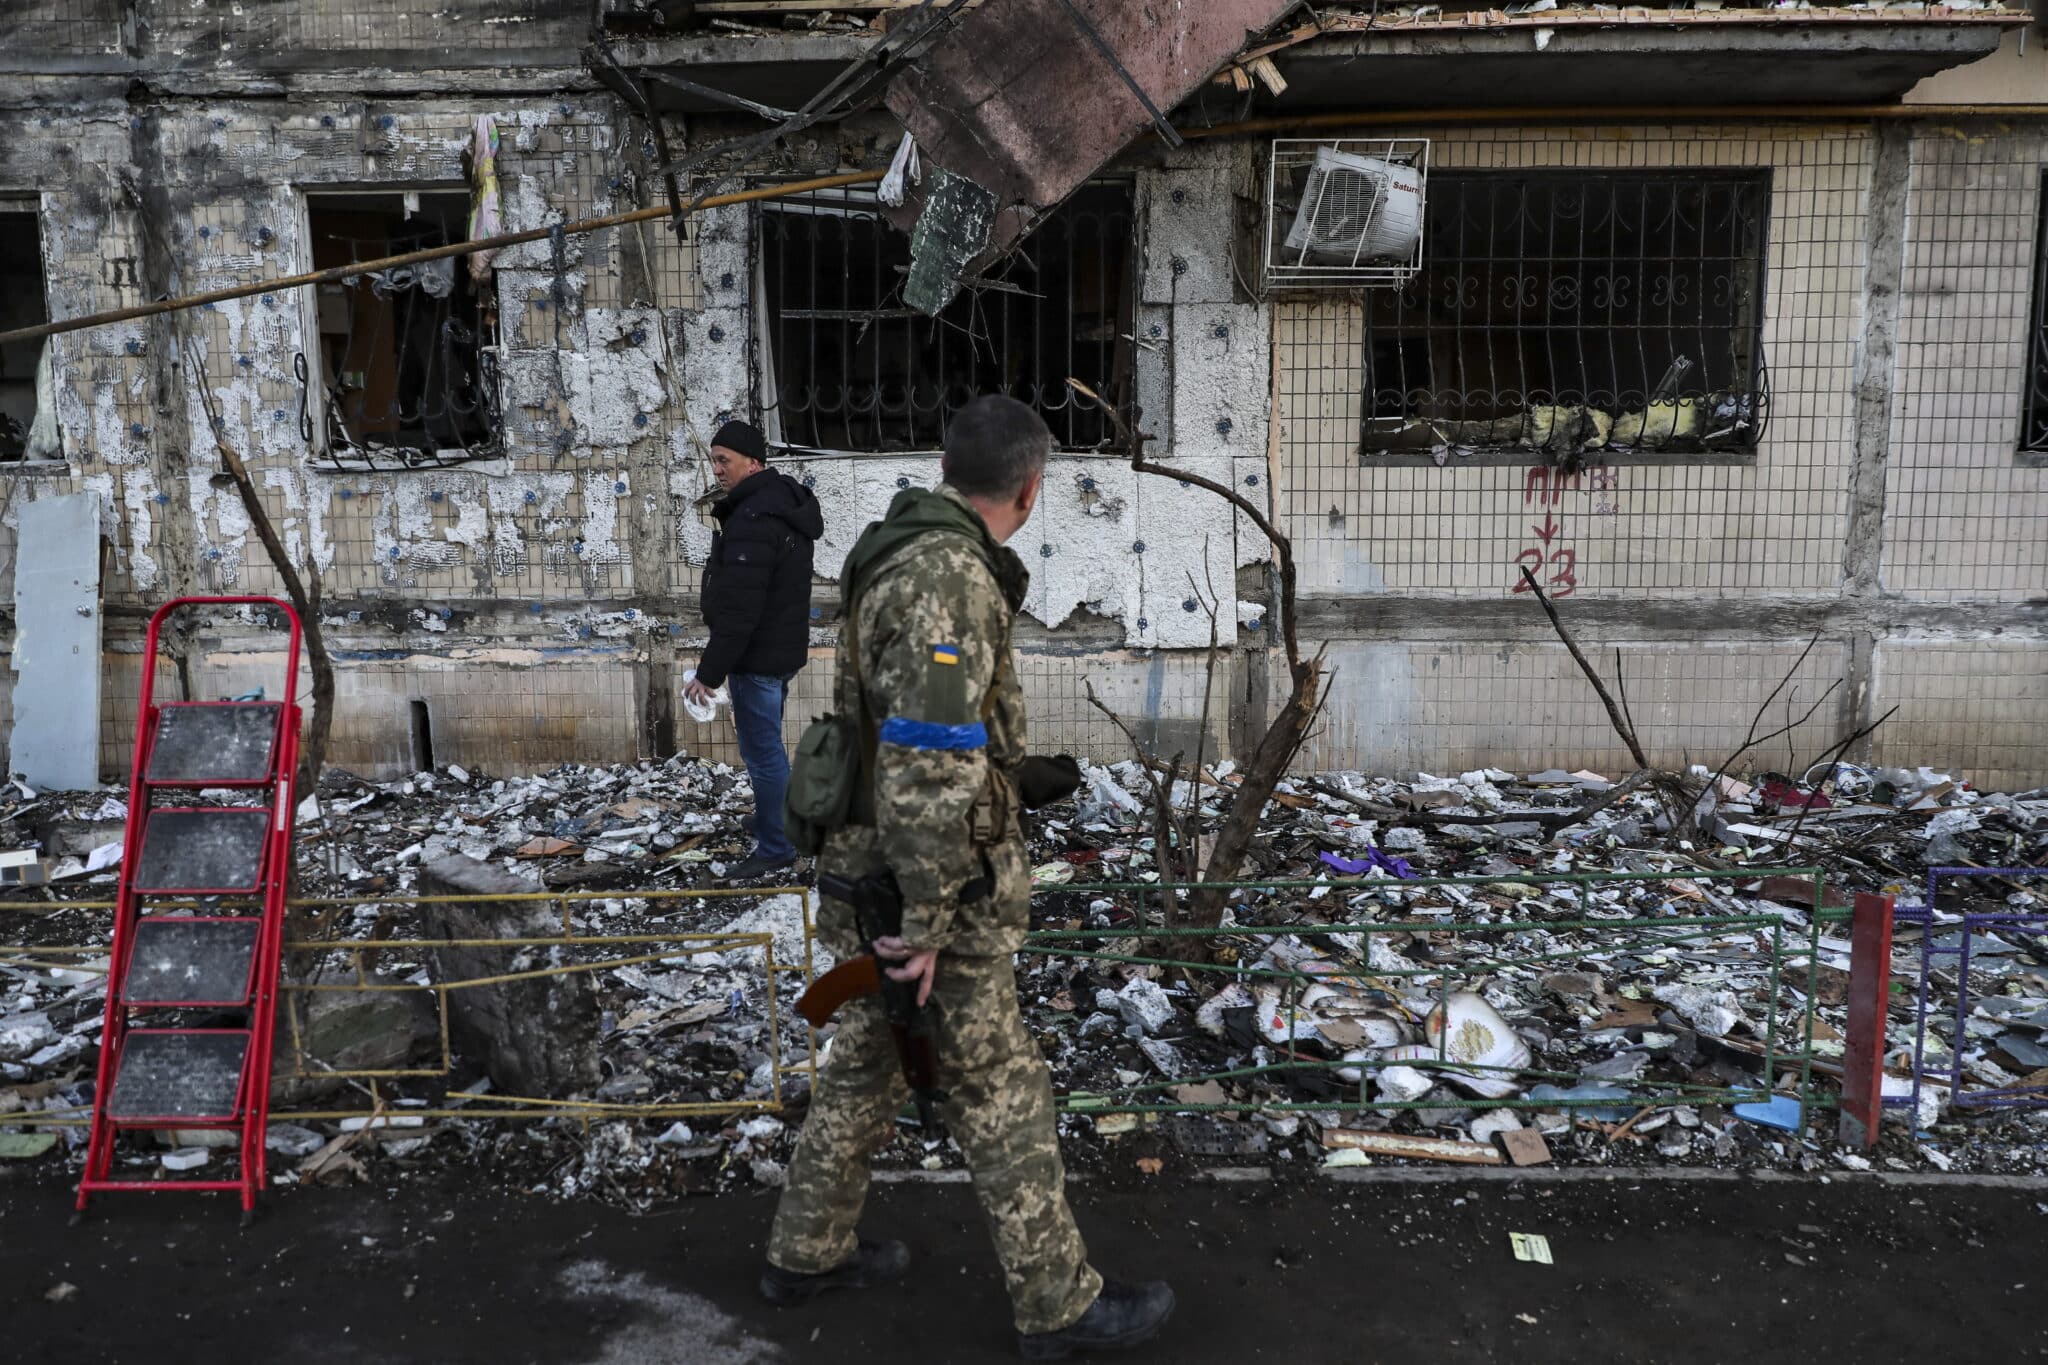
347	1030
536	1036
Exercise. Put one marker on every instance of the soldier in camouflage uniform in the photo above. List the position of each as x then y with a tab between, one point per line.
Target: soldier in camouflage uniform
933	596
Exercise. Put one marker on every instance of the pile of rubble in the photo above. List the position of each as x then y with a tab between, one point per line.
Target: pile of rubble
1375	1016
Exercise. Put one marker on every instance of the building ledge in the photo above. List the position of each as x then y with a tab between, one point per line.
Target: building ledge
1610	56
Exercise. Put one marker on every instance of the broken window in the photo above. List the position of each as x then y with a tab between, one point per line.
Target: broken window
1560	313
2034	411
408	355
847	365
28	416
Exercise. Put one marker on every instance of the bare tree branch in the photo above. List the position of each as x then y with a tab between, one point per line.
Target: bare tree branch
306	602
1162	799
1278	747
1282	546
1614	716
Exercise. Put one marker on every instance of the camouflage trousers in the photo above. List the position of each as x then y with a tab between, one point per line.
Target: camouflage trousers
998	1108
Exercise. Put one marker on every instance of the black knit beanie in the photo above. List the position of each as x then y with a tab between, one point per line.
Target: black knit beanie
743	438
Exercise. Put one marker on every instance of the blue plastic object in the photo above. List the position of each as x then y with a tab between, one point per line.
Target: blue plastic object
1779	1111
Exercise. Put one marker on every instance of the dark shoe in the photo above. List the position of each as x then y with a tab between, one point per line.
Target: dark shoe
757	865
873	1263
1122	1315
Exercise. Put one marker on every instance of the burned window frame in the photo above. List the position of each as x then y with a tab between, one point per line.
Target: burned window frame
29	204
1077	427
1509	423
2032	441
331	447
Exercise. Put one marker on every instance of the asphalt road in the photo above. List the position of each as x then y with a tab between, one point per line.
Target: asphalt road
1309	1270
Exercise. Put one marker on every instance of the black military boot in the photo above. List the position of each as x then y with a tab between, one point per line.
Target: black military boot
757	865
873	1263
1122	1315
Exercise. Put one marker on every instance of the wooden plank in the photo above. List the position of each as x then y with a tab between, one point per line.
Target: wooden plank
1414	1148
1269	74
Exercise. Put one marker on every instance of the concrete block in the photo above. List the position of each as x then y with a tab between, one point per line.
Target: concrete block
535	1037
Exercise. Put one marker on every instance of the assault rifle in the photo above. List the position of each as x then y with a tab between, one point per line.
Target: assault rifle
878	913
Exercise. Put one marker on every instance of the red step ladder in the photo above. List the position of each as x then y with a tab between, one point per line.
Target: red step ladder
164	1063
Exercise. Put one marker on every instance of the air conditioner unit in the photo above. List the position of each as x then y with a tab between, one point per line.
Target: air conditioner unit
1352	212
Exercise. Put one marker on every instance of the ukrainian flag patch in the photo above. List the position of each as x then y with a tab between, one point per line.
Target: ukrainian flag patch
946	654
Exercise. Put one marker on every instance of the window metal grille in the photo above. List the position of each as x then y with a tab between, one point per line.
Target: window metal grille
1560	314
846	365
2034	412
407	361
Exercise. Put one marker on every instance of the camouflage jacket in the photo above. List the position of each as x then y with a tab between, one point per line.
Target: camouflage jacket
946	716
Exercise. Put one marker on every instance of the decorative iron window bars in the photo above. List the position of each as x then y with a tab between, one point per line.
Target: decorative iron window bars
408	362
2034	410
846	365
1565	315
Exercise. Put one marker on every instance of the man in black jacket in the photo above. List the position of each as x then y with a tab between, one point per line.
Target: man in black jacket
757	602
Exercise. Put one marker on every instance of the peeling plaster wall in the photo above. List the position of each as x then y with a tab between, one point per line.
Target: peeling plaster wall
533	601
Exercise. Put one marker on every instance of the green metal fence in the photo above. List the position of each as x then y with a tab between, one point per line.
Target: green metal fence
1763	942
1760	945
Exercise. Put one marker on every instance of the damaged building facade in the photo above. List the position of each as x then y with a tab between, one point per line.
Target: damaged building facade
1723	371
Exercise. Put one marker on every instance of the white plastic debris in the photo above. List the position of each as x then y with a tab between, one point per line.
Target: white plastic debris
293	1141
1403	1084
1714	1013
1276	1023
1209	1018
1107	792
1494	1121
1164	1056
677	1134
21	1034
357	1125
1933	1098
1146	1004
185	1159
1955	820
703	712
783	917
64	1049
762	1129
1467	1030
904	170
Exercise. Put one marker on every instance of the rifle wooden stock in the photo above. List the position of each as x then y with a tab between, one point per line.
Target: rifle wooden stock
850	980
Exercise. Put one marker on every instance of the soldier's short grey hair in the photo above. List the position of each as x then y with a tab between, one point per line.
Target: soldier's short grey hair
994	446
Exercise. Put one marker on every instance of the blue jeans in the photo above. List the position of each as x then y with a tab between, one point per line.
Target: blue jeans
757	701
